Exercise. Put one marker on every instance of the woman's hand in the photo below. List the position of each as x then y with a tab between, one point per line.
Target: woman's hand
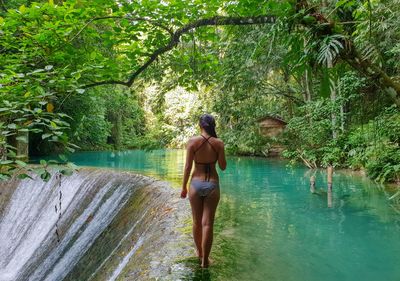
183	193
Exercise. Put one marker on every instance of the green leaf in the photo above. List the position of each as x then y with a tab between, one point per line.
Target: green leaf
22	9
23	139
45	136
72	166
43	162
70	149
11	154
21	163
63	157
38	70
24	176
67	172
45	176
4	176
309	19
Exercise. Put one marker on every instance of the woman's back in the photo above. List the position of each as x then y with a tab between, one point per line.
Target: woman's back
206	150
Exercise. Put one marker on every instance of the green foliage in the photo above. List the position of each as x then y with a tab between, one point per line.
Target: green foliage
38	69
26	109
373	146
245	141
298	68
383	162
308	136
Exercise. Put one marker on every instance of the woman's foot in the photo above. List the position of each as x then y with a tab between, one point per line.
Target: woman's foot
206	263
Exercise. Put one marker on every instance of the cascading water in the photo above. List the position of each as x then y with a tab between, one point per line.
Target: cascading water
112	226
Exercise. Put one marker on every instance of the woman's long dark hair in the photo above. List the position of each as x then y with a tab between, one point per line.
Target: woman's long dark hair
207	122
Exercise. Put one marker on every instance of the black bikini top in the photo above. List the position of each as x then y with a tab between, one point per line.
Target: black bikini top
207	165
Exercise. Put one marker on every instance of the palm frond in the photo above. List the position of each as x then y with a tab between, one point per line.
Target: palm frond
329	49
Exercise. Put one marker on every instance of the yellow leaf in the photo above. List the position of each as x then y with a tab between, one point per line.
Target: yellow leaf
22	9
51	2
50	107
1	20
27	94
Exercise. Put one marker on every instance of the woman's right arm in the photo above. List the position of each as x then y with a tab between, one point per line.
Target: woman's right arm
221	158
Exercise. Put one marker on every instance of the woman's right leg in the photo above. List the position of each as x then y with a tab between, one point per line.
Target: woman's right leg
209	209
196	202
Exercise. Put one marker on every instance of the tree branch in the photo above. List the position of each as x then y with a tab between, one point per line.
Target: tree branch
175	38
279	92
155	23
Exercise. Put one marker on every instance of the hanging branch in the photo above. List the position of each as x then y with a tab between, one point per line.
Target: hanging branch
175	38
155	23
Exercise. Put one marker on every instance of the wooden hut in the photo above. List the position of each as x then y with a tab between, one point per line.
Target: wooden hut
272	127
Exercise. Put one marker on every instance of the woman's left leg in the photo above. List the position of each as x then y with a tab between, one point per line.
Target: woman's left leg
196	202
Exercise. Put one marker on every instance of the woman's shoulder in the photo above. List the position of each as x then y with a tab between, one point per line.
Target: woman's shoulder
193	140
218	141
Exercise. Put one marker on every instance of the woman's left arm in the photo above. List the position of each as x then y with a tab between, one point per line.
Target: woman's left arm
188	167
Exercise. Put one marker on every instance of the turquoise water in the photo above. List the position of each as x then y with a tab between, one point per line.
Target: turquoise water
269	226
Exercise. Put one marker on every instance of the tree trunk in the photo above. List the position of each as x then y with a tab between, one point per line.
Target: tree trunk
367	68
21	146
308	85
333	100
342	117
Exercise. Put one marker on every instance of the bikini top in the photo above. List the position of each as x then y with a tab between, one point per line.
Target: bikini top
207	165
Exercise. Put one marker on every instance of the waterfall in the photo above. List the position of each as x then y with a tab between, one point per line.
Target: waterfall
112	225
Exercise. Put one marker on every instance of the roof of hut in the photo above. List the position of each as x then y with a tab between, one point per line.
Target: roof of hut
276	119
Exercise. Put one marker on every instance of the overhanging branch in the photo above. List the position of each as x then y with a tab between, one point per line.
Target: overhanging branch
153	22
175	37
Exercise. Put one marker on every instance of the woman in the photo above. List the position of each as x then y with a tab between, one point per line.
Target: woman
205	150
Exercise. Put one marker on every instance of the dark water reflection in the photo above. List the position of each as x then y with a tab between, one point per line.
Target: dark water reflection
269	226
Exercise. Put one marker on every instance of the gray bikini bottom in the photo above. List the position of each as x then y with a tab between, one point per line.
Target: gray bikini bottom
204	188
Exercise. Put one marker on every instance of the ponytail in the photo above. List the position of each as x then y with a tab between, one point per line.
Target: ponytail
207	122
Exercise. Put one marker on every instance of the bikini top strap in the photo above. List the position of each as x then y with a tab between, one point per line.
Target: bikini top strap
213	148
204	141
